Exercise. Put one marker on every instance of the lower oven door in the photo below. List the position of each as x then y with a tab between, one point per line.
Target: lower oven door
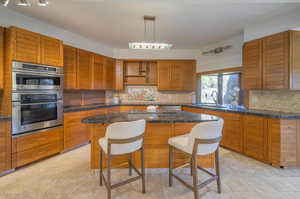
34	116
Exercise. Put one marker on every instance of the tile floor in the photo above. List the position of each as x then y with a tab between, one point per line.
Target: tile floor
68	176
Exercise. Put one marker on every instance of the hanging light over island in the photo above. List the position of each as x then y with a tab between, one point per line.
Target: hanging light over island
153	44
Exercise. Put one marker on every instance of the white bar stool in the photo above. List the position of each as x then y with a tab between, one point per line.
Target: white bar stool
122	138
204	139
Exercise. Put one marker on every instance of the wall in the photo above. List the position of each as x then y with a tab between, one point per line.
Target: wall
276	24
12	18
227	59
285	101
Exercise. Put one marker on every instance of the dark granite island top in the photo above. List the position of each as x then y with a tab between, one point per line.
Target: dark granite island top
157	117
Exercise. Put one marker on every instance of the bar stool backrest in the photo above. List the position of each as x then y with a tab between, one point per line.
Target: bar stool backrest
206	136
125	131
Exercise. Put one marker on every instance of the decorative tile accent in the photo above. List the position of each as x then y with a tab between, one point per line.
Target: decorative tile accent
285	101
140	94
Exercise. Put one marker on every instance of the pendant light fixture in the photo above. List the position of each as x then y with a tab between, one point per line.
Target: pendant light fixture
151	45
43	3
25	3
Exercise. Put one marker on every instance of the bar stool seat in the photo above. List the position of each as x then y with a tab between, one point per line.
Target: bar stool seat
122	138
120	149
204	139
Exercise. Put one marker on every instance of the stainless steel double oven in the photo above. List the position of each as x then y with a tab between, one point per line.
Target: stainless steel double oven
37	97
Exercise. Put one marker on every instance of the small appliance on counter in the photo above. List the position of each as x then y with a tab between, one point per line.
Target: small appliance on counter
152	109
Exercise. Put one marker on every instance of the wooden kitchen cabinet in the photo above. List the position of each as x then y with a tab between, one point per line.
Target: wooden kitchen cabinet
25	45
32	147
30	47
70	67
51	51
75	132
176	75
140	72
98	72
255	137
109	73
5	146
119	75
276	61
1	57
84	70
252	62
272	62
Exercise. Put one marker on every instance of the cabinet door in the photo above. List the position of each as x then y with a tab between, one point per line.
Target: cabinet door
164	75
232	132
255	137
70	67
51	51
26	45
189	76
276	61
98	72
75	132
119	75
1	57
176	76
84	70
110	73
252	62
295	60
5	146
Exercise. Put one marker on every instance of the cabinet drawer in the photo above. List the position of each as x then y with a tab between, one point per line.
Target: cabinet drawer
42	138
24	157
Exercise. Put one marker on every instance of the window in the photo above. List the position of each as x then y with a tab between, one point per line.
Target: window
220	88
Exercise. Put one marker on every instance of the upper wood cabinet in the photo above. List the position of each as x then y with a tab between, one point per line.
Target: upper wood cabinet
98	72
70	67
109	73
119	70
176	75
273	62
27	46
84	70
1	57
276	61
252	62
51	51
140	72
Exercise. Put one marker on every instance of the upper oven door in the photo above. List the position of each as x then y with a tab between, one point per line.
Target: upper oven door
36	111
36	81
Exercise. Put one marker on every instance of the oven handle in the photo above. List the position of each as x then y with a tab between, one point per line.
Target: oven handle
38	73
39	103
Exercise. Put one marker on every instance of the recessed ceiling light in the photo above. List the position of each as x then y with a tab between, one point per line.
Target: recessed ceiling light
43	3
23	3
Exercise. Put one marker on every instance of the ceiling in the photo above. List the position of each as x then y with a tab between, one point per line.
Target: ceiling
187	24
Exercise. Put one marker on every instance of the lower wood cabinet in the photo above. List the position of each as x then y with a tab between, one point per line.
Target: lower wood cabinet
5	146
32	147
273	141
255	137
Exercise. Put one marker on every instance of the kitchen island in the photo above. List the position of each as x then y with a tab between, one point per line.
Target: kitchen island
160	127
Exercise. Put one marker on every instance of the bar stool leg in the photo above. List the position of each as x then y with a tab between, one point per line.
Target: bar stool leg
218	170
143	170
195	177
171	159
129	164
100	167
108	177
191	166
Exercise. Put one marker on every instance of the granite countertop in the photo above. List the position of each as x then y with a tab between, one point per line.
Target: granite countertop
263	113
158	117
4	118
106	105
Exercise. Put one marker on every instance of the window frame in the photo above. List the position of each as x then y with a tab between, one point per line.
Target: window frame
219	75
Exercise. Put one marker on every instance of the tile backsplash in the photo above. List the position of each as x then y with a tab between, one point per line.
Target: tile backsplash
285	101
148	94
